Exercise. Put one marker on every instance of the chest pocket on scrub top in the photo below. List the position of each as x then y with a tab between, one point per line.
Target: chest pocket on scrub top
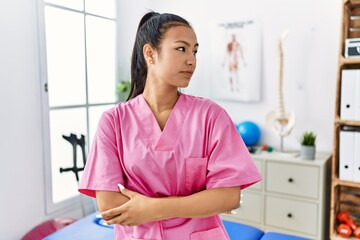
196	169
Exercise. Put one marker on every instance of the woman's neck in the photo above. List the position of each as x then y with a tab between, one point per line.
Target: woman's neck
160	99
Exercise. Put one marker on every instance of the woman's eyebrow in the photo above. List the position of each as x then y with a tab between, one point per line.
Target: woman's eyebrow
186	43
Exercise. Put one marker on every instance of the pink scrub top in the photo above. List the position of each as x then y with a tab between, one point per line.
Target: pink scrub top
198	149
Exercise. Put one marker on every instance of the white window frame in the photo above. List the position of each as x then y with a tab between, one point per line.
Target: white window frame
74	202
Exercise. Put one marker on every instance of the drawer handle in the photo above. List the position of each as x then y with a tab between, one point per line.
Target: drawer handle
289	215
290	180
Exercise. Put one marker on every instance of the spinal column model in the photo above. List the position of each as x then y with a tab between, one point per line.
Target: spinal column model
281	121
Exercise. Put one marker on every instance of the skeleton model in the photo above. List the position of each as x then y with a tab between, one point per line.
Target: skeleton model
281	121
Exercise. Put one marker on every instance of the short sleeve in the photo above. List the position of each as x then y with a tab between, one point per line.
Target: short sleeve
103	169
229	162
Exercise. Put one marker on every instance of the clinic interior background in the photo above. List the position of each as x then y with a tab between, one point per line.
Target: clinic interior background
311	55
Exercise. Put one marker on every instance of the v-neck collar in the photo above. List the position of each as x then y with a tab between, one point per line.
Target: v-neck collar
162	140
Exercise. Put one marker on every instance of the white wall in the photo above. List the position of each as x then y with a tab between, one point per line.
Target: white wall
22	184
311	55
21	178
310	73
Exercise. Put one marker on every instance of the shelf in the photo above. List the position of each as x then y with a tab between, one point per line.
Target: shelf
353	61
338	237
337	182
353	2
345	195
347	122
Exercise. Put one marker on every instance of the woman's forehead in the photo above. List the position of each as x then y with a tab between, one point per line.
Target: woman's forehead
180	33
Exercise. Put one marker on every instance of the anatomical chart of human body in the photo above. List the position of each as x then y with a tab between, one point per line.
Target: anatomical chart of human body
236	61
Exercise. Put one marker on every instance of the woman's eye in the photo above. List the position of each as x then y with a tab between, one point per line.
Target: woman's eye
181	49
195	52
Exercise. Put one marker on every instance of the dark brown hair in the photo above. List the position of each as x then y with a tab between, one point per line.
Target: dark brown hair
151	29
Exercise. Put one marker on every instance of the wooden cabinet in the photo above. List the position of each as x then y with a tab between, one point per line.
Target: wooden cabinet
345	194
293	197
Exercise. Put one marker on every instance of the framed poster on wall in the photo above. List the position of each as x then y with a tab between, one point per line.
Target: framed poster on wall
236	61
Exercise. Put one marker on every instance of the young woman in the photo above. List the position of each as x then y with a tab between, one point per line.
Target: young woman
178	159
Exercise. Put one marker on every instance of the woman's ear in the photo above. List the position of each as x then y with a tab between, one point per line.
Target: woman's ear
148	52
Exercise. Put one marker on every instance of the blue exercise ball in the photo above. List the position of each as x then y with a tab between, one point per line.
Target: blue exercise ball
250	132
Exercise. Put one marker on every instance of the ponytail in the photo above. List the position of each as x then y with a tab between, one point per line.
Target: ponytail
138	64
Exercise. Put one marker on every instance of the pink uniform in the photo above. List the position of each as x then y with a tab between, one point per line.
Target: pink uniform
198	149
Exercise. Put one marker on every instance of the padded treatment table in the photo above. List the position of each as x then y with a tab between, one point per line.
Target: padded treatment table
87	228
92	227
280	236
238	231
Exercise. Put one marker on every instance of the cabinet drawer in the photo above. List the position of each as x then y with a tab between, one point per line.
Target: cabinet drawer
290	214
298	180
250	208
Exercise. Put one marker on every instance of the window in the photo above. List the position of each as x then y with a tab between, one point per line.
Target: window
78	67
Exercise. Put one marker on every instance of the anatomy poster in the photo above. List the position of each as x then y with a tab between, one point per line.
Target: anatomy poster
236	61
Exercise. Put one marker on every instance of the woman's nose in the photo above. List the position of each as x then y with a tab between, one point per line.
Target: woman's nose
191	60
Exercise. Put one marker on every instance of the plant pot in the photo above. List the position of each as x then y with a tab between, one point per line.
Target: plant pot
307	152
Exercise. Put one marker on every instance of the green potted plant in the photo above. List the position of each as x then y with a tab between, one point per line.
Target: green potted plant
307	150
122	90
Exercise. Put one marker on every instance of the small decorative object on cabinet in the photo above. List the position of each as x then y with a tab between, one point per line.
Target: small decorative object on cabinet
307	149
345	185
293	197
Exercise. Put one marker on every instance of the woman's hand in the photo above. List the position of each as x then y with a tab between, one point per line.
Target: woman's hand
141	209
138	210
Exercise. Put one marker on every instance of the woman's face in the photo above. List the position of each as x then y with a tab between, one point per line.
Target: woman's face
175	63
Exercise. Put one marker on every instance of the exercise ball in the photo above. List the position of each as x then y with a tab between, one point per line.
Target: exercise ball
250	132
